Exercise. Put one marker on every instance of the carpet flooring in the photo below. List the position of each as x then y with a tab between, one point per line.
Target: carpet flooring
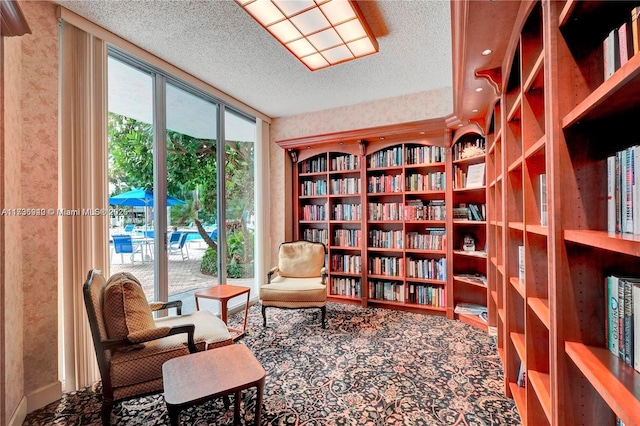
368	367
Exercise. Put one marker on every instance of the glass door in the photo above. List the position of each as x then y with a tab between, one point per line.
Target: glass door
192	176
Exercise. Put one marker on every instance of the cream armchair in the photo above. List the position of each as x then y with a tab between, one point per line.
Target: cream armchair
131	345
299	280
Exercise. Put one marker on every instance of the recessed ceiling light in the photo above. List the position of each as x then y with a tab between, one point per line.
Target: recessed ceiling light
479	89
422	133
487	52
460	125
474	110
381	138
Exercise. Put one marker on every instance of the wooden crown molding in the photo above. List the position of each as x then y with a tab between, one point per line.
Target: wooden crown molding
12	20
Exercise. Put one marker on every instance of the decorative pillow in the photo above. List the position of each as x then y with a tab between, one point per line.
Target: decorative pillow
301	259
125	308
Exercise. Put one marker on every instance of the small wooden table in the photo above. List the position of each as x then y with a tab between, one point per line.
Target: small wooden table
203	376
223	293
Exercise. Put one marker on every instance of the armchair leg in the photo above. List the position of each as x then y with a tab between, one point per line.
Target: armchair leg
324	315
264	316
105	413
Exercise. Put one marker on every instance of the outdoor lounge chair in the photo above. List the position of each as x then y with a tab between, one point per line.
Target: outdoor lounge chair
123	244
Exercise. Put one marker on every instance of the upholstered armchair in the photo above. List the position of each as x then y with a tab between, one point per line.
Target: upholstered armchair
299	280
131	345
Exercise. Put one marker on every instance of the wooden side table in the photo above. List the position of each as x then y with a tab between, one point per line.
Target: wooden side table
203	376
223	293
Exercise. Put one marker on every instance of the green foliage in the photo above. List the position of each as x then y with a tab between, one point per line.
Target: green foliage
238	265
209	263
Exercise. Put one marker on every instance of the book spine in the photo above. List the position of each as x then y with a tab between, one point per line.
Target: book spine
521	270
611	194
628	324
612	309
636	189
621	319
609	53
543	200
622	44
635	297
628	179
635	12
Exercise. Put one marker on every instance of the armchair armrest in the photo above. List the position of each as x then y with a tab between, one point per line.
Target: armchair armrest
324	273
160	332
157	306
270	274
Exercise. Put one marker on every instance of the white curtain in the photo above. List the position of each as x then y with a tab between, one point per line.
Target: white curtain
83	185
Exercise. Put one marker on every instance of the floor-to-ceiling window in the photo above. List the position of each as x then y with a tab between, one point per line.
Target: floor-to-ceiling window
180	199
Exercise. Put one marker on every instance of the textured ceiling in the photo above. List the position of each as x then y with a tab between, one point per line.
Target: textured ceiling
222	45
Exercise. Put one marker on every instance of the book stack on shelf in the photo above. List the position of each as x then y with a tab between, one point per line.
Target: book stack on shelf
620	44
472	309
623	191
623	318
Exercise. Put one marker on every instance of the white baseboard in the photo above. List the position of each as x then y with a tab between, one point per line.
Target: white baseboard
17	419
44	395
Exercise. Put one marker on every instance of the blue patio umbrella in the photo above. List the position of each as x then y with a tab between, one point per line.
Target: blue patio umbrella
140	198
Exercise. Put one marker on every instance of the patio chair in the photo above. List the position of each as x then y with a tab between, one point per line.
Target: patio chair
299	280
123	244
129	228
131	345
179	245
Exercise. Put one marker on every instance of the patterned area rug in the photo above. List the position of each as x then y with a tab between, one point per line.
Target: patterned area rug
368	367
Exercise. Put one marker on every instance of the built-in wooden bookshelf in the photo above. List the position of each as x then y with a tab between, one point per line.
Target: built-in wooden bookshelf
557	119
469	269
383	215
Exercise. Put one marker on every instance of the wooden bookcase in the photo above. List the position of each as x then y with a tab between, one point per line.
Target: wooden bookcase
382	201
469	223
556	121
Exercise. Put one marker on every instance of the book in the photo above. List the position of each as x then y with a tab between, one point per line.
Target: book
611	193
609	53
469	308
620	319
628	322
635	297
521	271
612	314
635	13
475	176
543	199
522	376
625	46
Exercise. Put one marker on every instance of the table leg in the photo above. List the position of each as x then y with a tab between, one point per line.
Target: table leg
197	304
246	312
174	416
223	302
236	410
259	391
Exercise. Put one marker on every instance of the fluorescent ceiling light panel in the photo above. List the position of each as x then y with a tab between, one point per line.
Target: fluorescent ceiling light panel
292	7
319	33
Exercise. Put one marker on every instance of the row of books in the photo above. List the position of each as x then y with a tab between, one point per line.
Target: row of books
343	286
620	44
347	237
386	239
310	188
388	158
474	309
459	149
314	212
623	316
351	264
345	162
472	177
386	290
386	211
417	210
314	165
427	295
386	265
347	212
435	239
316	235
470	212
384	183
425	154
623	191
435	181
345	186
429	269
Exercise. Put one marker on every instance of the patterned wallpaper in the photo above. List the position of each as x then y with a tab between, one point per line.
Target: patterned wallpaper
31	181
402	109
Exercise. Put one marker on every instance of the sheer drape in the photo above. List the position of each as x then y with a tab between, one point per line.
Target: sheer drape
83	188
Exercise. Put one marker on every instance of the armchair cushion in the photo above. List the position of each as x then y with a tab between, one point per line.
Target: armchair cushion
300	259
126	310
282	291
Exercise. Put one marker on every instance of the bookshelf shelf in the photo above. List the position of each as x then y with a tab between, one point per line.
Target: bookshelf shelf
541	383
512	115
473	320
619	243
617	383
469	281
515	165
537	68
516	225
538	230
537	148
519	344
541	309
520	287
520	397
479	189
